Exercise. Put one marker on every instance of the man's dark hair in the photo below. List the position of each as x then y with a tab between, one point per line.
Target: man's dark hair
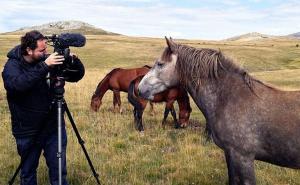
30	40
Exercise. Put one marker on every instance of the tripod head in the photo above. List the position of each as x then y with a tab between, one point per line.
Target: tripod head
58	85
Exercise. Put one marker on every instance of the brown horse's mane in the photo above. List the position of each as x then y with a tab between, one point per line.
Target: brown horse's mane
199	65
98	89
146	66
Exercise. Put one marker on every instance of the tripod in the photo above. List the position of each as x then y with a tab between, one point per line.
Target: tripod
61	103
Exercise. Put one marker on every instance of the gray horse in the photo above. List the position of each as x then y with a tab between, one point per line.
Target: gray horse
248	119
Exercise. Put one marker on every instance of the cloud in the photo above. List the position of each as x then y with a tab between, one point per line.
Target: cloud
213	20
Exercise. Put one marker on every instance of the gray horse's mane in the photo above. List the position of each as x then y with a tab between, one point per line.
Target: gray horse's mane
199	65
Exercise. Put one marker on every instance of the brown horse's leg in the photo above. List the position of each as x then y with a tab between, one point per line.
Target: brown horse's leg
173	113
151	109
114	100
119	101
138	119
166	113
240	168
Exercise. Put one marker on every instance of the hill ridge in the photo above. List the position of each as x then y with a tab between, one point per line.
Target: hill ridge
59	27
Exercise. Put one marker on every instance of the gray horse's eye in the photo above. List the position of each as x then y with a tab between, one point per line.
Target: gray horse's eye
160	64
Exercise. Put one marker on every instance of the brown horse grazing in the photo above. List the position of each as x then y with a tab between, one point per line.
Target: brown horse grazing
169	96
117	80
248	119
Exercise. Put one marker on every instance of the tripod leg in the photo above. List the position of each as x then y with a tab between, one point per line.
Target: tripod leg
81	142
12	180
59	149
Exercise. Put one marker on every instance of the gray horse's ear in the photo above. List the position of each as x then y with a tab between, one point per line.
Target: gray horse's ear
171	44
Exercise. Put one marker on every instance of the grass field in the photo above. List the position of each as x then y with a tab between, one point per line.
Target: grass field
120	154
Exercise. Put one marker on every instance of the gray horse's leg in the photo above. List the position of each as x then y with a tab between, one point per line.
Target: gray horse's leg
240	168
208	133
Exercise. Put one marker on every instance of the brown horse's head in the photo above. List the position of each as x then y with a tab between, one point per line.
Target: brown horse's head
184	116
95	103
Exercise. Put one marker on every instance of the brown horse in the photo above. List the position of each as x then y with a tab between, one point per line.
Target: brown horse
116	80
248	119
169	96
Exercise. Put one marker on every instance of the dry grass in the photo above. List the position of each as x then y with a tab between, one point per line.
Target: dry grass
123	156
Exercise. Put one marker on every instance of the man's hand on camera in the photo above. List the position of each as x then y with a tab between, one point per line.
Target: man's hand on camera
73	55
54	59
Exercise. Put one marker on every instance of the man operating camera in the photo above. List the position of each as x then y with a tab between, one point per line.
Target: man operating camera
33	115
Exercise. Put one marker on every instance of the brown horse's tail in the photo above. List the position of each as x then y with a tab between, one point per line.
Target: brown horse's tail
132	98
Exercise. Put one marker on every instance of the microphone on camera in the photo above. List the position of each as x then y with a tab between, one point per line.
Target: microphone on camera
71	39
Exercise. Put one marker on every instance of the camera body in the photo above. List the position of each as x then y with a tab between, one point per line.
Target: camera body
61	50
61	44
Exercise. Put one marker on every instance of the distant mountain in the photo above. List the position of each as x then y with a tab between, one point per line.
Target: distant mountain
258	36
63	27
250	37
295	35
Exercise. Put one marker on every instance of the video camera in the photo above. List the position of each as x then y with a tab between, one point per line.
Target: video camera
61	44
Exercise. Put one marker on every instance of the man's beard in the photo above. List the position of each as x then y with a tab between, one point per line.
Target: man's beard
37	59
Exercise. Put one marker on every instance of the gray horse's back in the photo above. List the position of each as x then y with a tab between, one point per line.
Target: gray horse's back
278	129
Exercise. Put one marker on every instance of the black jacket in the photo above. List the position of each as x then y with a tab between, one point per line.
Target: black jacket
29	95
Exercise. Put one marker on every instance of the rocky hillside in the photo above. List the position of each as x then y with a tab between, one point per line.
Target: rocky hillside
254	36
250	37
63	27
295	35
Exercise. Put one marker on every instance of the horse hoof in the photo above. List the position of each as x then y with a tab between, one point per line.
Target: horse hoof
183	125
177	126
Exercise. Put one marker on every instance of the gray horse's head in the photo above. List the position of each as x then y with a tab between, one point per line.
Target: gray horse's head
163	74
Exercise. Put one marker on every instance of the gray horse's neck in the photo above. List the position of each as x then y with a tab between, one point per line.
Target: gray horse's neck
205	98
213	95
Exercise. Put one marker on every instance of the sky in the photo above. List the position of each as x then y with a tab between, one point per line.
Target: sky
186	19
